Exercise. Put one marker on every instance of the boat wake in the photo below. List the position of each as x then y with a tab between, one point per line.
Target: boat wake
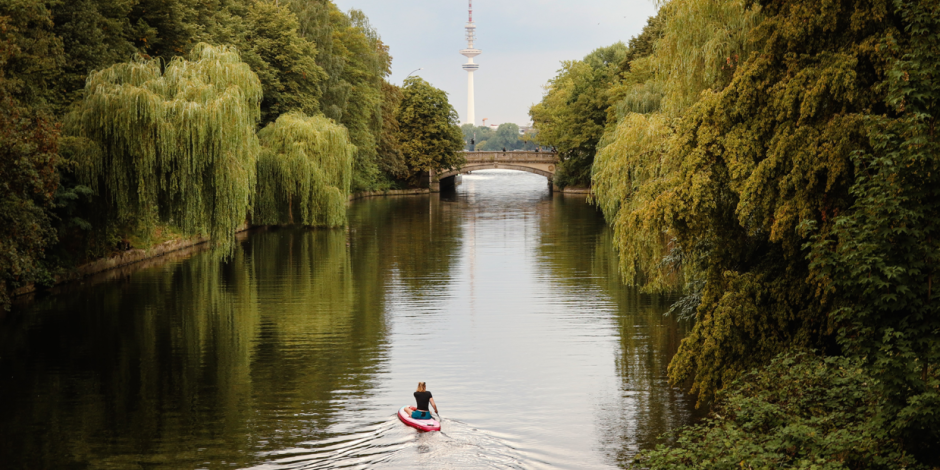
391	444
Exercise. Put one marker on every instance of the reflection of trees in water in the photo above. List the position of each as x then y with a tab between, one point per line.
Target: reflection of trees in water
202	355
576	245
122	371
415	236
316	335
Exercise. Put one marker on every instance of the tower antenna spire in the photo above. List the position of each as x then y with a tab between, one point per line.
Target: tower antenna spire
470	52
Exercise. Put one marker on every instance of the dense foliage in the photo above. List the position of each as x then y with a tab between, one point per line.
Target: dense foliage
506	137
880	258
28	180
355	93
572	114
28	145
777	162
430	125
801	412
159	146
390	159
283	60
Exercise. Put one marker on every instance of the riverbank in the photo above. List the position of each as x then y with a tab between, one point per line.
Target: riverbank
136	258
123	259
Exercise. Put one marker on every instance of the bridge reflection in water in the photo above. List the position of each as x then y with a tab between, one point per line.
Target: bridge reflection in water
540	163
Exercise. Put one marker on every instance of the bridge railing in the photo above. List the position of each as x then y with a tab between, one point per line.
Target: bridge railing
511	157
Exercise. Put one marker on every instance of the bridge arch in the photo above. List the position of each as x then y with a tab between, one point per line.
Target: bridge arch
539	163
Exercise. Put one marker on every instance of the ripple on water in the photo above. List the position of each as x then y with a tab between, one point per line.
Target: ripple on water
392	444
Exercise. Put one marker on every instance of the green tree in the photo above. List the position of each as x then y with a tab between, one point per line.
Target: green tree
429	132
573	113
175	145
767	152
28	181
390	159
367	63
477	134
29	135
31	53
304	172
709	191
643	44
505	137
283	60
778	161
356	62
95	34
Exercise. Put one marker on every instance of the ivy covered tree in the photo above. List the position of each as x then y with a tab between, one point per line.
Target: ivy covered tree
430	136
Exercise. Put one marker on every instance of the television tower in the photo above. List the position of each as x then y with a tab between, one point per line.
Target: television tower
470	52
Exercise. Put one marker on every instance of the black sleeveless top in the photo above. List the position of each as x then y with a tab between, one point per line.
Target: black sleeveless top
423	398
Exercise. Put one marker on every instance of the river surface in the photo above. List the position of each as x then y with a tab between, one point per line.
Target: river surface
298	352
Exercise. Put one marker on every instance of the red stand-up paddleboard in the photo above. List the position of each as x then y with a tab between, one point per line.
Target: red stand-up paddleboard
404	414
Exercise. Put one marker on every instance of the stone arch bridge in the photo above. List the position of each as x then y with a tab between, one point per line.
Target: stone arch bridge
540	163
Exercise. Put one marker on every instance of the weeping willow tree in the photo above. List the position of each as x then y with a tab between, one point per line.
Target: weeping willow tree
696	46
702	44
304	172
174	146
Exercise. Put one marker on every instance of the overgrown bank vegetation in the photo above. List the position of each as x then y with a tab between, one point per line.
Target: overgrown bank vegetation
122	122
779	163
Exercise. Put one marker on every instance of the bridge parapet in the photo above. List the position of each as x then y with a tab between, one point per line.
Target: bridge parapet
511	157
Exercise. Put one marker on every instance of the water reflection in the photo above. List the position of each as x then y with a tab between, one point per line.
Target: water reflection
582	257
298	352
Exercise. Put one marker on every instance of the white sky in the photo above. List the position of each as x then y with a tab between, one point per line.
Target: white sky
523	43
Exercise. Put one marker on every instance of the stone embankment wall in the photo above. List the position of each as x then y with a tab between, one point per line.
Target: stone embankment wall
393	192
571	190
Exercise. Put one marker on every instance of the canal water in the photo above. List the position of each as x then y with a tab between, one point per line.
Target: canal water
298	352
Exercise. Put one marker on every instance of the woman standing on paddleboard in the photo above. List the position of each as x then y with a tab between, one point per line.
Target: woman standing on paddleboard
423	397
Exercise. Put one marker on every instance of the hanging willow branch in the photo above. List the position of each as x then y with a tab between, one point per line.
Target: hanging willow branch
175	146
305	169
